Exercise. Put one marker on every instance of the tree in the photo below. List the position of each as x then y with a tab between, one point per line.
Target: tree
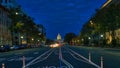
105	20
68	37
24	25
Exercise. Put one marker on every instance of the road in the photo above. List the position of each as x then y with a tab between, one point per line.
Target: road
61	57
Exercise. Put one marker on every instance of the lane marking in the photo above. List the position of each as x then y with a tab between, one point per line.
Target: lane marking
63	60
43	58
28	64
78	58
92	63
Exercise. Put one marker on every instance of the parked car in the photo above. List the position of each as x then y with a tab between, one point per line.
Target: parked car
4	48
15	47
23	46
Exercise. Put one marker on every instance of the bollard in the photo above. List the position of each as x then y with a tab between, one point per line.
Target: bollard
23	62
89	56
101	62
3	65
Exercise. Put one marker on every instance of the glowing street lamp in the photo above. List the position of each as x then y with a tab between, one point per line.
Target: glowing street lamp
89	38
82	39
32	39
21	37
91	22
101	36
16	13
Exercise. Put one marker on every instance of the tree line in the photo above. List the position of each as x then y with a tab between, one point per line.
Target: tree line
24	24
104	23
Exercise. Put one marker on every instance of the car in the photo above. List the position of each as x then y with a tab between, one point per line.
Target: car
23	46
54	45
15	47
4	48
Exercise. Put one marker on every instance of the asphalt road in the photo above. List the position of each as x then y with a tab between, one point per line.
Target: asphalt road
61	57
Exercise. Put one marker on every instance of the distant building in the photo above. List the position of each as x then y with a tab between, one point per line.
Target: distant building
5	22
59	37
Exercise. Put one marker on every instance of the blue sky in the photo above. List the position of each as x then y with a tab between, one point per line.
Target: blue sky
61	16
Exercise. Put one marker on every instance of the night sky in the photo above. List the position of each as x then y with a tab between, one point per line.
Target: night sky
61	16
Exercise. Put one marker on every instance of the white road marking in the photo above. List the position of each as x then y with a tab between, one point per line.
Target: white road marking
43	58
15	59
31	62
85	58
63	60
80	59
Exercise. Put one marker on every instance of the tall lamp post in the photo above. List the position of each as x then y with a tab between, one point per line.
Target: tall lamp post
102	39
21	40
32	40
89	38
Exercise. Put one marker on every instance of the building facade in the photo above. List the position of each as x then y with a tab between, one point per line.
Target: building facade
109	2
5	22
9	3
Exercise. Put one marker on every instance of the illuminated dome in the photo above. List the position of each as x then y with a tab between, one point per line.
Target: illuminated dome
58	37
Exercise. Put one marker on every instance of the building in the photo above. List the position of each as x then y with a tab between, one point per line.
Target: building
9	3
117	35
108	35
108	2
59	37
5	22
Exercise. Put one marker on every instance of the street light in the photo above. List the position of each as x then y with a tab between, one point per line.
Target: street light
32	39
91	22
82	39
101	36
21	39
16	13
89	38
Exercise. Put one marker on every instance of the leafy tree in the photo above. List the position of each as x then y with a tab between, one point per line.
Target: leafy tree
69	36
24	24
105	20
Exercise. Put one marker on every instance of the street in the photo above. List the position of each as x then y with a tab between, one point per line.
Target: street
61	57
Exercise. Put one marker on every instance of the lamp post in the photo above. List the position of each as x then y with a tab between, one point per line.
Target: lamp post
89	38
32	40
101	36
21	39
16	13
